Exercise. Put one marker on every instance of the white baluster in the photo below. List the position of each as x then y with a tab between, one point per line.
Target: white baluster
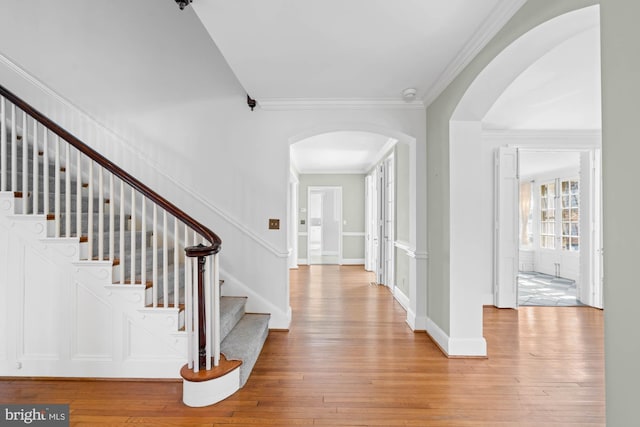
67	189
188	309
36	171
14	150
45	170
196	326
121	251
154	249
216	309
90	211
132	229
165	260
56	186
112	220
100	214
207	311
143	243
78	194
176	276
25	163
185	259
3	145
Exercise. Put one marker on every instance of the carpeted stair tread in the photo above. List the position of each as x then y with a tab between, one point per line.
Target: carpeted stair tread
231	311
245	342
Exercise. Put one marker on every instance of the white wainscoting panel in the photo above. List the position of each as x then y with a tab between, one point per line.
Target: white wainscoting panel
94	321
65	318
40	317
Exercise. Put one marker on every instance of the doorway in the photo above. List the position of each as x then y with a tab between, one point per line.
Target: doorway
555	260
324	236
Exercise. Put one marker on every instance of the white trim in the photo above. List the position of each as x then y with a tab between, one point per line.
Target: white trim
205	393
409	250
133	147
353	234
416	323
280	104
421	255
487	299
303	233
465	347
302	261
401	298
382	154
438	335
499	16
352	261
325	171
256	303
587	138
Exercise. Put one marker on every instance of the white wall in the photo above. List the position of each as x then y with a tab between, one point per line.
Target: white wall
162	103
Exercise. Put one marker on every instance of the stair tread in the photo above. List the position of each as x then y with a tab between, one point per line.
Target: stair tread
245	342
231	311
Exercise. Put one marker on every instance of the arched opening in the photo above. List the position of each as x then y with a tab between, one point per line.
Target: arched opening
475	267
383	210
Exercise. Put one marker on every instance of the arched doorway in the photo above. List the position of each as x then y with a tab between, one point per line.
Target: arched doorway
410	272
472	262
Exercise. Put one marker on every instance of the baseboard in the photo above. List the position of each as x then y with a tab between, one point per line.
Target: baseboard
487	299
352	261
456	347
401	298
416	323
302	261
255	302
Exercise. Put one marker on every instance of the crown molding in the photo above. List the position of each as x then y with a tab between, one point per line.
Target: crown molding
500	15
288	104
542	134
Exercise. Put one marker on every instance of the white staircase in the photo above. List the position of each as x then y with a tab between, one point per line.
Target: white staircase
94	279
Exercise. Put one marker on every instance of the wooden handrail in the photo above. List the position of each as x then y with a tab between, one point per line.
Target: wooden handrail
192	251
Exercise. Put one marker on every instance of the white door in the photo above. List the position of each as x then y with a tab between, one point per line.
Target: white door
380	209
385	225
589	288
506	228
369	249
325	225
389	218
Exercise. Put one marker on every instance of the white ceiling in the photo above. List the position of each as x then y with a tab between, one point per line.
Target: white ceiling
559	91
349	49
339	152
534	163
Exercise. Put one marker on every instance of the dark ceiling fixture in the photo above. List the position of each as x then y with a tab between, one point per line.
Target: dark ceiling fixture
251	102
183	3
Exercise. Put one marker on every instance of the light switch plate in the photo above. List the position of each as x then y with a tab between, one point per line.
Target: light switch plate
274	224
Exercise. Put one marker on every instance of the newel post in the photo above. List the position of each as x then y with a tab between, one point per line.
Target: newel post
202	323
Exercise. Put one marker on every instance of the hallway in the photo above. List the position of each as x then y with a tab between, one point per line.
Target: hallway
350	359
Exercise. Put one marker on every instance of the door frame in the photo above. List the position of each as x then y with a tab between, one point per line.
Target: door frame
338	189
590	285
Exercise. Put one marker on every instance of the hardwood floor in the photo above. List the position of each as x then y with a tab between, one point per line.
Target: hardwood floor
351	360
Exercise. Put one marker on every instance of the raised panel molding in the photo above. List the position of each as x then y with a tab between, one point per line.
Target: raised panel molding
4	283
40	305
64	317
93	338
141	344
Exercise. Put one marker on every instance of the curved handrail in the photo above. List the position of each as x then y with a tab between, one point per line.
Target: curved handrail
192	251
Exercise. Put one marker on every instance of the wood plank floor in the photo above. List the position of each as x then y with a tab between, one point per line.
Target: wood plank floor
350	360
